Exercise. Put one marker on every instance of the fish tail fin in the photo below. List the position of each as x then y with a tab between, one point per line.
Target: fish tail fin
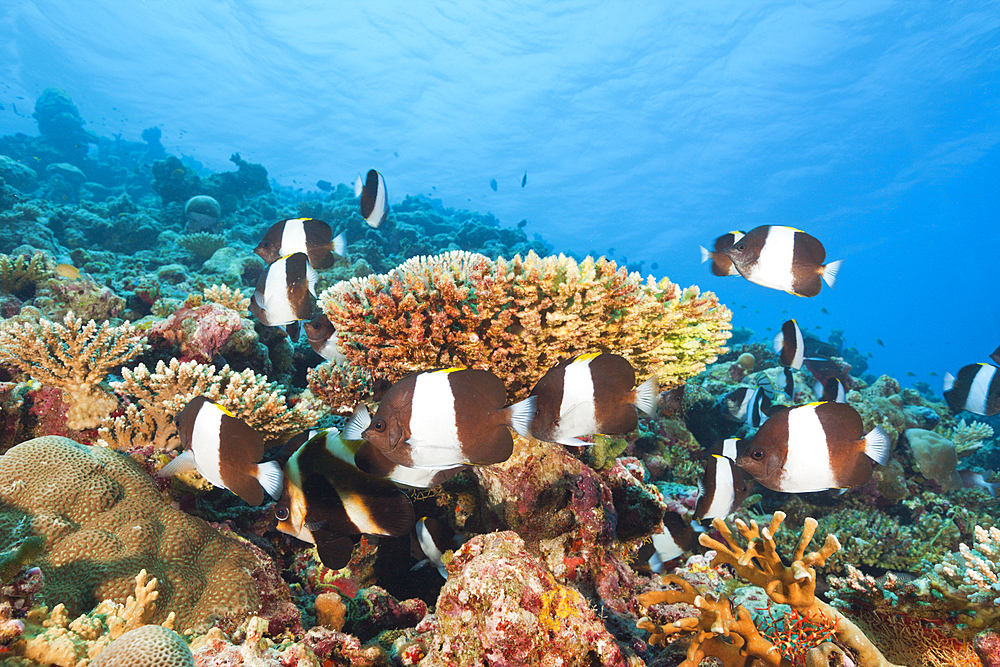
359	186
646	395
340	244
521	414
949	381
182	463
271	478
705	254
356	425
830	272
877	445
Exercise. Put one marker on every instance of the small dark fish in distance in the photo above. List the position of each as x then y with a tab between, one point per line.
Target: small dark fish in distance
976	389
587	394
374	198
783	258
224	450
309	235
493	184
814	447
325	186
328	502
524	179
443	418
879	341
789	345
286	291
721	264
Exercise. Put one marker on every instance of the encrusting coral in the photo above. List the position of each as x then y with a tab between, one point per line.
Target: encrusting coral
729	633
74	357
163	393
519	318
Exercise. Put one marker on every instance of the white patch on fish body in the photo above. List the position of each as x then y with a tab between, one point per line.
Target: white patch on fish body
725	489
433	425
360	516
276	304
979	390
205	443
293	237
807	464
577	413
666	547
296	504
427	544
774	264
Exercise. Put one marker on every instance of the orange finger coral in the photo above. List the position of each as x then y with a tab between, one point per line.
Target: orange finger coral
517	318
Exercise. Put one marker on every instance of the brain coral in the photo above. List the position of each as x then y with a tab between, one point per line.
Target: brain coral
148	646
516	318
103	521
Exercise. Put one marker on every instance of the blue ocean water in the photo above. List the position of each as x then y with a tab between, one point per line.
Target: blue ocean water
646	129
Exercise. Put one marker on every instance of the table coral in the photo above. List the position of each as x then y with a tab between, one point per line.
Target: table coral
103	520
518	318
75	357
502	607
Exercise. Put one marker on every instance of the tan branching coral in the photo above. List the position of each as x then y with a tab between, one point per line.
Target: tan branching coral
74	357
202	244
17	273
720	627
518	318
162	393
967	438
226	296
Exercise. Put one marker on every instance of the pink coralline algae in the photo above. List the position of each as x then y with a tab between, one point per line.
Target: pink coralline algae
501	607
199	333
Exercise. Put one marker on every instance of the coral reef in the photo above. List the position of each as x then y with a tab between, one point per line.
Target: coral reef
103	521
520	318
74	357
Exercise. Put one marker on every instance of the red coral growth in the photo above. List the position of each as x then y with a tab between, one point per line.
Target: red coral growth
199	333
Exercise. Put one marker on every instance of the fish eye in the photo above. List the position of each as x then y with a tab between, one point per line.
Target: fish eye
379	425
281	513
757	454
741	246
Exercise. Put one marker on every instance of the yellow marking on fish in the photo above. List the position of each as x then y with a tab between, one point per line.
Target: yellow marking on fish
448	370
224	410
589	356
813	404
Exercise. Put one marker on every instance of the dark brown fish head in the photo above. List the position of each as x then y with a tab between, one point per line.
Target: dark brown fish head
270	246
745	251
386	432
319	329
759	461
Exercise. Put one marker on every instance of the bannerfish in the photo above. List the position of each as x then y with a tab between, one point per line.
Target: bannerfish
783	258
723	488
814	447
286	291
587	394
309	235
677	538
374	198
67	271
224	450
721	264
524	179
976	389
789	345
832	390
444	418
493	184
323	339
328	502
431	539
749	404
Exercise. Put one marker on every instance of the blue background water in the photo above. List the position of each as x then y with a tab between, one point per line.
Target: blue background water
649	128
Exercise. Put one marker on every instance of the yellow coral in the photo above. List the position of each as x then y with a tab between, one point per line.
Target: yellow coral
75	357
163	393
519	318
229	298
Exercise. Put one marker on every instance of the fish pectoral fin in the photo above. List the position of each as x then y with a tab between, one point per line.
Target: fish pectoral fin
313	525
183	463
271	478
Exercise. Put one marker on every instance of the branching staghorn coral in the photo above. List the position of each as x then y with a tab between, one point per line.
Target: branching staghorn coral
202	244
20	272
224	295
974	571
730	634
967	438
162	393
74	357
519	318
